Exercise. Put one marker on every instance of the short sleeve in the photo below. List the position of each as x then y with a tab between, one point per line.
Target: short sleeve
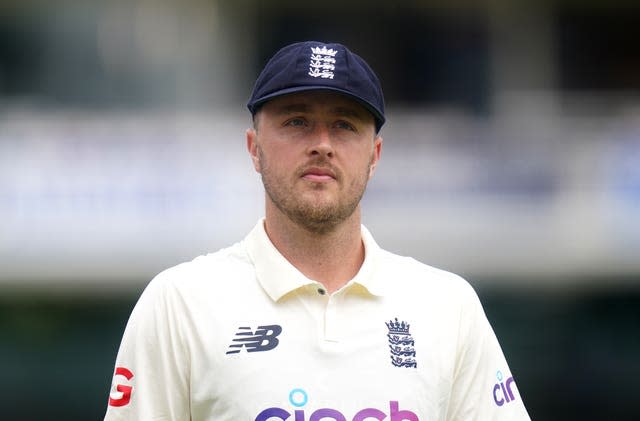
151	372
483	387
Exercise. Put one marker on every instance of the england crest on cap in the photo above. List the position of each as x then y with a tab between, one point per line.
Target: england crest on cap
322	62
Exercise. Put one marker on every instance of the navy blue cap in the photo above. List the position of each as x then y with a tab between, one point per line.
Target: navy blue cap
313	65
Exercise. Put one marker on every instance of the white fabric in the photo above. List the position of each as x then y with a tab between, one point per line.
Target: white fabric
309	356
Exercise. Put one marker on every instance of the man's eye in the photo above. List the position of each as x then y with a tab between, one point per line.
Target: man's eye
295	122
345	125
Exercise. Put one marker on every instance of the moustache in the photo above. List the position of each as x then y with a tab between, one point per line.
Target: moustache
319	164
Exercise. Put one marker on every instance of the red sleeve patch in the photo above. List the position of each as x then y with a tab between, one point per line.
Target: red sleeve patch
120	390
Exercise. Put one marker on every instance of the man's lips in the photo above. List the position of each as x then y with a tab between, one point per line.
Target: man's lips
318	174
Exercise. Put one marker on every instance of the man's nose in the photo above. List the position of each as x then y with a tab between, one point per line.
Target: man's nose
321	142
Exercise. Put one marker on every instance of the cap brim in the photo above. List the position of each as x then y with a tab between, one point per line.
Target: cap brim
377	115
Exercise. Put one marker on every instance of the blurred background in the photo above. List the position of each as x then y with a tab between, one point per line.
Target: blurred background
512	157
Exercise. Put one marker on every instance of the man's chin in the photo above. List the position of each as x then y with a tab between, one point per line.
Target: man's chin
320	219
317	226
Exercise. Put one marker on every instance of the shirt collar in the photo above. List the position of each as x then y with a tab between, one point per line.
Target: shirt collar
278	276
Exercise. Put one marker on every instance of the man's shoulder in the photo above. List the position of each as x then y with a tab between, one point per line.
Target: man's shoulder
416	275
207	269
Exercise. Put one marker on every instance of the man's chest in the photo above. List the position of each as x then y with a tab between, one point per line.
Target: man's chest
310	359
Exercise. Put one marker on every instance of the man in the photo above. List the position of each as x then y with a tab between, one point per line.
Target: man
307	319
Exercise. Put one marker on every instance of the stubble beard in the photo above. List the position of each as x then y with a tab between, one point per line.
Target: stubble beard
319	217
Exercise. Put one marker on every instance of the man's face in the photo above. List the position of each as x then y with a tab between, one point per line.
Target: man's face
316	152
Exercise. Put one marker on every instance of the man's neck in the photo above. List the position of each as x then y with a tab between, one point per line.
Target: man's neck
332	258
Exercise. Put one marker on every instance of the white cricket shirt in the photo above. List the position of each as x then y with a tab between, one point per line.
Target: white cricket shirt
242	335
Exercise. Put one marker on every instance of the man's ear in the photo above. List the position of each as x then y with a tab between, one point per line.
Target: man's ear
252	147
377	150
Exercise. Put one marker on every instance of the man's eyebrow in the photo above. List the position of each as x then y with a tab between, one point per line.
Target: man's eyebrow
349	112
292	109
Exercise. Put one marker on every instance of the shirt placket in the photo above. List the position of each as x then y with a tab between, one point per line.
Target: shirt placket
332	331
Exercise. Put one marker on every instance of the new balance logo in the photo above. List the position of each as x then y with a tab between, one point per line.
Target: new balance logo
265	338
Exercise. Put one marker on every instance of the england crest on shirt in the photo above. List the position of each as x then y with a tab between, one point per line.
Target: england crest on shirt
401	344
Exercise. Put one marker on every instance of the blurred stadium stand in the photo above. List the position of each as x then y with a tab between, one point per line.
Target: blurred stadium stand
512	157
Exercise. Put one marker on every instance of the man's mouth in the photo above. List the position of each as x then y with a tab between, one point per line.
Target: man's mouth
318	174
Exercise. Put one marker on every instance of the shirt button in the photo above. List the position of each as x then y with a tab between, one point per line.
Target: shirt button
321	291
